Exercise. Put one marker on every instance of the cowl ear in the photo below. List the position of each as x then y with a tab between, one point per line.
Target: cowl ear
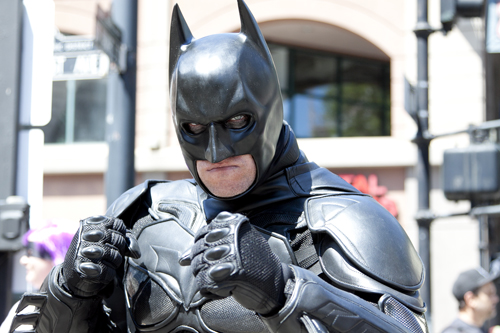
179	35
250	28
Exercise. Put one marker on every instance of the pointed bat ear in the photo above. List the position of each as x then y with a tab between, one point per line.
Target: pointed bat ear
179	35
250	28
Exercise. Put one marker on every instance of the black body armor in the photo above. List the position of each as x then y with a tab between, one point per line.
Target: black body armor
355	270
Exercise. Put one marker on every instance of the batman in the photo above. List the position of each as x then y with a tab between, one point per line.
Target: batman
260	240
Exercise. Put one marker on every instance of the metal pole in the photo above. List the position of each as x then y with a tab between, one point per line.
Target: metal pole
10	69
484	253
424	216
120	118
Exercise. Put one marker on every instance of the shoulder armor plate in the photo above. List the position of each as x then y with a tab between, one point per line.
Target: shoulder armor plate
370	237
308	178
129	197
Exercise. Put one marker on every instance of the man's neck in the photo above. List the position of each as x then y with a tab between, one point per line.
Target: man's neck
470	317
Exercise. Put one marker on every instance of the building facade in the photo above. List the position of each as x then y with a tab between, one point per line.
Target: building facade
341	65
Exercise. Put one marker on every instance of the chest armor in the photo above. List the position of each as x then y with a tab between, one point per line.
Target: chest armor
162	295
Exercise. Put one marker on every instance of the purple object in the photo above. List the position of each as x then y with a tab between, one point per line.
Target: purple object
49	242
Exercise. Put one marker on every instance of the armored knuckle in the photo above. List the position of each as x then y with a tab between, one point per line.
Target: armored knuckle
217	234
231	218
221	272
93	235
226	217
92	252
90	269
217	252
96	219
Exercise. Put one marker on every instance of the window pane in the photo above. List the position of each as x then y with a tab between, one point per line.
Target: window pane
316	117
280	56
365	97
90	110
315	71
362	81
286	108
55	129
360	119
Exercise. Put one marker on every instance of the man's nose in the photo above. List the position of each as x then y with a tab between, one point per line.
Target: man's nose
216	149
24	260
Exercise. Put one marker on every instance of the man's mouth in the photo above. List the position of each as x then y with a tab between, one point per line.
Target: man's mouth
222	168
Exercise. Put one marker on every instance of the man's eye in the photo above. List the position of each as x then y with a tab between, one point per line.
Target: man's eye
238	122
194	128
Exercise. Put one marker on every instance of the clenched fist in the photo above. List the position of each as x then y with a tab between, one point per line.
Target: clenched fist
95	253
230	257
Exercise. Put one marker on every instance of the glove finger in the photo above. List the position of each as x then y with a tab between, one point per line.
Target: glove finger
112	258
201	232
216	293
117	240
197	264
119	226
185	259
198	248
132	249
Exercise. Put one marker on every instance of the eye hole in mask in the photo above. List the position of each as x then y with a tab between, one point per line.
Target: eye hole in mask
236	122
194	128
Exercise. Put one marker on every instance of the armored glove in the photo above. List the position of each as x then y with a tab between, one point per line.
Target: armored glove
94	255
230	257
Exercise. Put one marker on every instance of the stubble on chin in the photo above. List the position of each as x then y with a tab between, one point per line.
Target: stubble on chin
227	179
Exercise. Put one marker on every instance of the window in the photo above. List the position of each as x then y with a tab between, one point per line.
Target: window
78	111
78	91
329	95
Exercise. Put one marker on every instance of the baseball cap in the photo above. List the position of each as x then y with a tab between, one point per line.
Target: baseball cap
471	280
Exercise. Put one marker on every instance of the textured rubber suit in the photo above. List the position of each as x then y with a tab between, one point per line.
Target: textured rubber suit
299	250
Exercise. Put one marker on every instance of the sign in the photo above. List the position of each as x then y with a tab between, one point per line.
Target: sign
68	44
410	100
77	57
82	66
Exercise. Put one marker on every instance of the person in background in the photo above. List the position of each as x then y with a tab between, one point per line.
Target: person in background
476	293
45	247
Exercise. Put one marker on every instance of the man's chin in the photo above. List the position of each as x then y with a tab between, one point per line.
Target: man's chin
227	189
226	194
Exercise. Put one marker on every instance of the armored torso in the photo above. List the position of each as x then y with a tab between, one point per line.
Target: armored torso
311	219
162	295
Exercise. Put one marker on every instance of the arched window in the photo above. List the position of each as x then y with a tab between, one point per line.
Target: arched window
335	84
